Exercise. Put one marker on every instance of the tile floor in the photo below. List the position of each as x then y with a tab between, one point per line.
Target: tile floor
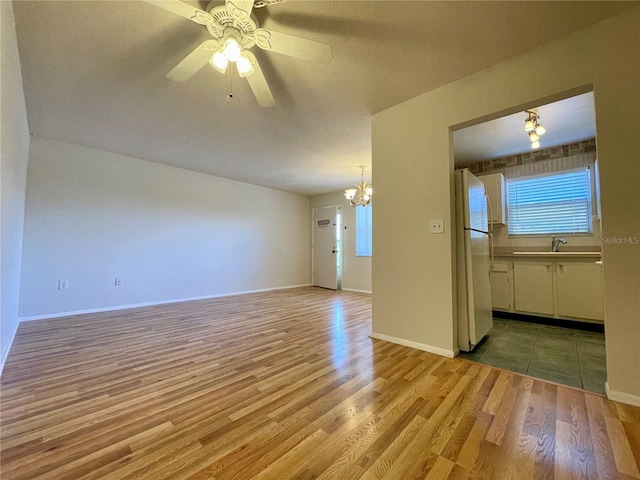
563	355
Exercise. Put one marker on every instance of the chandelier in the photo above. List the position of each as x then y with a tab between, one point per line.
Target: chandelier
533	128
361	195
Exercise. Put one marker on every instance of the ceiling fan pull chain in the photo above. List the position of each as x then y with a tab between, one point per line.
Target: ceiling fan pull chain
230	82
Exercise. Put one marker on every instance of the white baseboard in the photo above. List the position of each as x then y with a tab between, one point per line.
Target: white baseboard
621	397
5	354
419	346
356	290
151	304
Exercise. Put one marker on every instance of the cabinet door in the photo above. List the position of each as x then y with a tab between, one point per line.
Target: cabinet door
580	290
495	188
533	287
500	286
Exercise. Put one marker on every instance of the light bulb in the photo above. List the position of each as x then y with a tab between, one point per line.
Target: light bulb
244	66
232	50
368	191
535	145
540	130
349	193
219	62
528	124
533	136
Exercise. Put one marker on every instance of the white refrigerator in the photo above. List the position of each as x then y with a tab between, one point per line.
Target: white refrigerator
475	317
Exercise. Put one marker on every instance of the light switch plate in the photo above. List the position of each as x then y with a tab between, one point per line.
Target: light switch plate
436	225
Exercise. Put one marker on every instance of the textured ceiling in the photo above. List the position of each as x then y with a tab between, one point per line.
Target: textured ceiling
566	121
94	75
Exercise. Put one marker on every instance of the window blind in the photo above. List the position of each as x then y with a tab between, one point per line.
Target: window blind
550	204
363	231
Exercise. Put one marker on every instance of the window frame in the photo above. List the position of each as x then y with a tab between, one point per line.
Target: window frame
368	232
591	201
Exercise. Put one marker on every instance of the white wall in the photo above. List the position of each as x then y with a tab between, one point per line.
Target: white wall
413	274
356	271
14	155
169	233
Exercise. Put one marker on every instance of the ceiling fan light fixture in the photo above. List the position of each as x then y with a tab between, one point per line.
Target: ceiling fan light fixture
535	145
219	61
234	28
533	136
231	48
244	66
540	129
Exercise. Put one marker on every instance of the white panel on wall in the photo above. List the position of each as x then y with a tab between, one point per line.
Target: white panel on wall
166	233
15	155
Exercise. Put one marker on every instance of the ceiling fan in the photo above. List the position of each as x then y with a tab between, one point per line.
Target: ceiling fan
235	30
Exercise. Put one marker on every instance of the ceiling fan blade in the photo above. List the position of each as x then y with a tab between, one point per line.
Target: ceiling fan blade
293	46
240	9
193	62
258	84
184	10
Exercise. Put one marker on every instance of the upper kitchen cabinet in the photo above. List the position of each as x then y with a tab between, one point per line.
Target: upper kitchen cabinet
496	193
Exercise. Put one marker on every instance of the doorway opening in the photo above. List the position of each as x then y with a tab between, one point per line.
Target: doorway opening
545	263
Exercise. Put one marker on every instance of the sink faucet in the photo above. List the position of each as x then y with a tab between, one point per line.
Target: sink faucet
555	242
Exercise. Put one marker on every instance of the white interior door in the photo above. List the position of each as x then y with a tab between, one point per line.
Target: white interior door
325	247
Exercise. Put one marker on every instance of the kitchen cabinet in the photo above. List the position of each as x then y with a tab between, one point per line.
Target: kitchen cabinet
568	286
579	289
495	187
533	287
501	293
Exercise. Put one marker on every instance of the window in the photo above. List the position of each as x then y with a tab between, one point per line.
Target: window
558	203
363	231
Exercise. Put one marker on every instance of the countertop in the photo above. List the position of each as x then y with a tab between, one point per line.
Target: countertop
533	254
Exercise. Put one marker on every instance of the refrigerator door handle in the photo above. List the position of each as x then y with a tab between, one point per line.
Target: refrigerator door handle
476	230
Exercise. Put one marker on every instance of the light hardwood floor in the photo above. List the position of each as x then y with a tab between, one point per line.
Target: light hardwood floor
286	385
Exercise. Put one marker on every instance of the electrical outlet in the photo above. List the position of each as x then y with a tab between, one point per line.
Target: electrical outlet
436	225
63	284
117	282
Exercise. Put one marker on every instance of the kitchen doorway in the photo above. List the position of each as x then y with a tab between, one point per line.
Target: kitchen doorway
545	266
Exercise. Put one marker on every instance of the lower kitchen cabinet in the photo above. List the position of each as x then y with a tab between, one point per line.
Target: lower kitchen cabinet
501	293
533	287
579	287
568	288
